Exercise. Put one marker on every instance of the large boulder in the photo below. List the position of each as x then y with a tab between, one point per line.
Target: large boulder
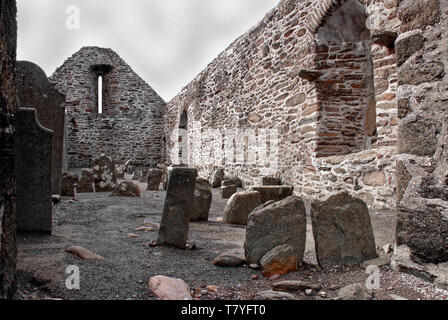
273	225
240	206
86	182
342	231
126	189
154	179
280	260
228	191
218	178
273	193
104	174
202	200
69	184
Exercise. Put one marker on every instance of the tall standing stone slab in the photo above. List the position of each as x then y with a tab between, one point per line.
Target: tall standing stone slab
176	214
342	231
33	147
8	109
202	200
35	91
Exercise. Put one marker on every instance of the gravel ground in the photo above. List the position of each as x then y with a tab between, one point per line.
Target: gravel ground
103	224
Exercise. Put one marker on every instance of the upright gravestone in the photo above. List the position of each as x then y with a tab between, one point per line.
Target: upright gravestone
35	91
33	147
176	214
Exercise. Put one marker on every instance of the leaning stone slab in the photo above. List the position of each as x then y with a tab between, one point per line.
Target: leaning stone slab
277	224
342	231
176	214
273	193
240	206
34	180
104	174
202	201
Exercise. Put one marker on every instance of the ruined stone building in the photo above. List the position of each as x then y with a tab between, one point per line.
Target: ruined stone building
328	95
129	126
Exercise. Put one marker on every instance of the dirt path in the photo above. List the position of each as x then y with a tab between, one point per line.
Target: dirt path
102	224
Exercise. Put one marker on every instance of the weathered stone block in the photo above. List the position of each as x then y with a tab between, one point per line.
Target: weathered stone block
342	231
86	183
275	193
176	213
126	189
104	174
202	200
69	184
418	137
420	14
33	147
239	207
228	191
374	179
280	260
424	72
154	179
425	232
218	177
408	44
275	224
271	181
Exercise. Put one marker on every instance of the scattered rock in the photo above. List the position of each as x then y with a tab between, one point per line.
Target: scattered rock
342	231
280	260
133	235
229	260
276	295
395	297
239	207
357	291
379	262
277	224
84	253
202	200
169	288
126	189
214	289
309	292
293	286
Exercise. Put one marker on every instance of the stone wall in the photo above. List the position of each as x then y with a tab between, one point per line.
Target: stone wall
304	85
8	108
423	129
131	125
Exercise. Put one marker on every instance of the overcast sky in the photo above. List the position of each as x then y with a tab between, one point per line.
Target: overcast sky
167	42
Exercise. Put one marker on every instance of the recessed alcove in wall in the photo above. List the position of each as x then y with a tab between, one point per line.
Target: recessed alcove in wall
100	72
346	90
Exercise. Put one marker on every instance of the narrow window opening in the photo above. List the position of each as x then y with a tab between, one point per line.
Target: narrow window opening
100	94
